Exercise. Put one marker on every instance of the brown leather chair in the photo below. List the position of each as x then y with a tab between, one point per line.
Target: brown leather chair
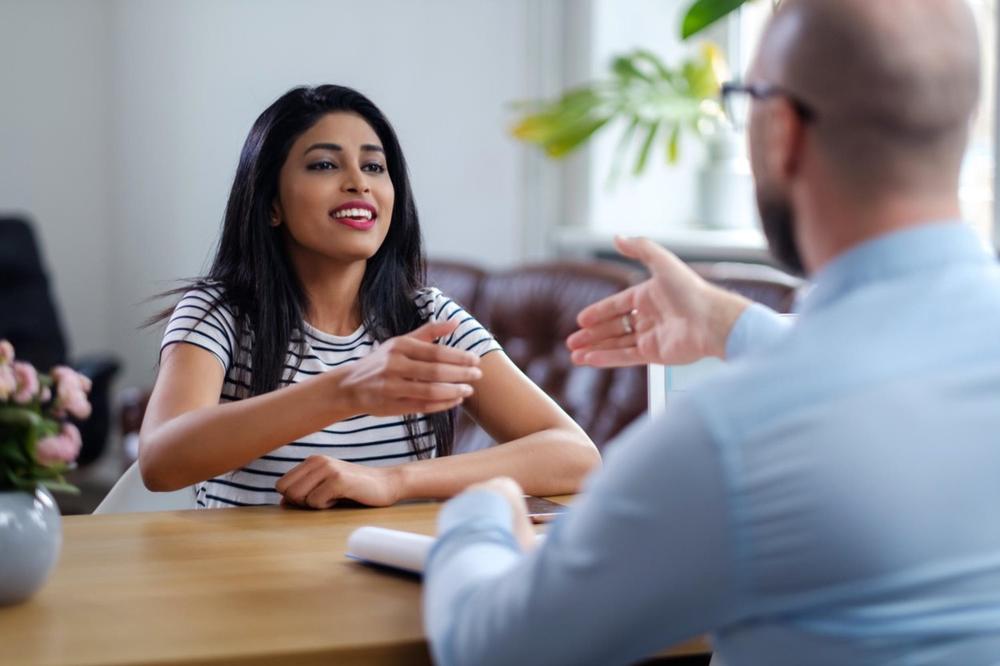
763	284
532	310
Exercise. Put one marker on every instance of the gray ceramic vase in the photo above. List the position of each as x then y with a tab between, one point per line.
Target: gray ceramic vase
30	538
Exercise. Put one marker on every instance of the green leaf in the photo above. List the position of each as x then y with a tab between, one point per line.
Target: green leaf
19	416
700	79
640	164
13	455
571	139
704	13
662	71
60	485
623	144
14	480
625	68
673	145
557	118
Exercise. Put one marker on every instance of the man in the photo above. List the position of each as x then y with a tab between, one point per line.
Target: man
832	497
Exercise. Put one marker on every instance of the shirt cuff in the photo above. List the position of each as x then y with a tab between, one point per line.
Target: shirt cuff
756	328
486	508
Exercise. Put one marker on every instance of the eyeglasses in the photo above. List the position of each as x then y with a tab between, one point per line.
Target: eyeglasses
738	113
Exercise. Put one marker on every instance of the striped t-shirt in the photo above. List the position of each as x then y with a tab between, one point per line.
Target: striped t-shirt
364	439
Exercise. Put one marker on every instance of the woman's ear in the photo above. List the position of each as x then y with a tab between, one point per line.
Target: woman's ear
276	213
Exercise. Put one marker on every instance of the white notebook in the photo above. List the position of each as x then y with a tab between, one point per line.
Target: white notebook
391	548
406	551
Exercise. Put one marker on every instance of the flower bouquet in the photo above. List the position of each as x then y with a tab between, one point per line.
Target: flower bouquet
37	442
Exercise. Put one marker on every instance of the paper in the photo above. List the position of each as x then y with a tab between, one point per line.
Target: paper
392	548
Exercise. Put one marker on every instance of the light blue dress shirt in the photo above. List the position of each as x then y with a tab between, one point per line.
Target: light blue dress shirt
833	497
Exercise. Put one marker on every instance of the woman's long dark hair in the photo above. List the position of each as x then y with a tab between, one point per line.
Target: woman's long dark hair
257	279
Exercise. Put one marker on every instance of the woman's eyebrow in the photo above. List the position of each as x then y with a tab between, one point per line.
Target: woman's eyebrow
323	146
365	148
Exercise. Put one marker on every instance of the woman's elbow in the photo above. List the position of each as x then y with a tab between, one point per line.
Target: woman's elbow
586	459
155	475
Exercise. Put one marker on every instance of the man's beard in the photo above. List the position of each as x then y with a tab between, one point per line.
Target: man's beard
778	221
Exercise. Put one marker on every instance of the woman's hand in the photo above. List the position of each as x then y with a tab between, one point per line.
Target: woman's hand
411	374
674	317
319	481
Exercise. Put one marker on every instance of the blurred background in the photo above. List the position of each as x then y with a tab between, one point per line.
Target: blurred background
121	122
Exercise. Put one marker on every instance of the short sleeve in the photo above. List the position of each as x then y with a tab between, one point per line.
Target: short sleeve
202	320
470	335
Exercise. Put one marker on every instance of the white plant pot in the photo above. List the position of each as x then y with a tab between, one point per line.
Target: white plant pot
725	186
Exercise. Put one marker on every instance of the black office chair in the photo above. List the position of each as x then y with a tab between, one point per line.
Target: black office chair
30	320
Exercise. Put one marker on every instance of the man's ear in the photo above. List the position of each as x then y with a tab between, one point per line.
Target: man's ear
784	139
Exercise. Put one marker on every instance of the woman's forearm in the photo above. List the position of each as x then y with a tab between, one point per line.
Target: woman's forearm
209	441
548	462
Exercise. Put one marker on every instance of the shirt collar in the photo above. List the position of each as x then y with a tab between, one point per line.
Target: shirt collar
915	250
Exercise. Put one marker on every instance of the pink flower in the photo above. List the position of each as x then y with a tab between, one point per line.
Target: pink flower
8	382
71	392
27	383
61	448
6	352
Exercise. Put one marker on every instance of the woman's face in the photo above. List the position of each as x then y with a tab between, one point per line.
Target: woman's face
335	196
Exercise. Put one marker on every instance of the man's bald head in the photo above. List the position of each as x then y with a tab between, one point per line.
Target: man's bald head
893	83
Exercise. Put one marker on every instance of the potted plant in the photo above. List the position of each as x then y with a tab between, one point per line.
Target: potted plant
37	446
655	104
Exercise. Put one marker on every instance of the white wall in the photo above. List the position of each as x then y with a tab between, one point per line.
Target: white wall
54	155
145	105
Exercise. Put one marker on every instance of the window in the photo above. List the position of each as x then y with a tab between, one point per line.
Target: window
664	201
978	182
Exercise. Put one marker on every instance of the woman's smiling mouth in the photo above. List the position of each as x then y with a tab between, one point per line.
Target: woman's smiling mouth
358	214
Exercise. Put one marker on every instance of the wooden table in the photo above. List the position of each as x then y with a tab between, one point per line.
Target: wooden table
230	586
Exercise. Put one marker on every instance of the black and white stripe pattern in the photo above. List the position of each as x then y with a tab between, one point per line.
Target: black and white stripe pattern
364	439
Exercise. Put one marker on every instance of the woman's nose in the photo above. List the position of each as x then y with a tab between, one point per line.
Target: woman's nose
355	181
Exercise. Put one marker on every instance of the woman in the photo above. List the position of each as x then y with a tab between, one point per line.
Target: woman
314	313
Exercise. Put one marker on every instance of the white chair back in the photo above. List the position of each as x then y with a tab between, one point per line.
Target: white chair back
130	495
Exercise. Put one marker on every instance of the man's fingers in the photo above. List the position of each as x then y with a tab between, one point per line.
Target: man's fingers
609	358
654	257
621	342
606	330
608	308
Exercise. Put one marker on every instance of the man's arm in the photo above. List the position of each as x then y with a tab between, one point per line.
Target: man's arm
643	560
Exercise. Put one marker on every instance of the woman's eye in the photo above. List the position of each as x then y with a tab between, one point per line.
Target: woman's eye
324	165
374	167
